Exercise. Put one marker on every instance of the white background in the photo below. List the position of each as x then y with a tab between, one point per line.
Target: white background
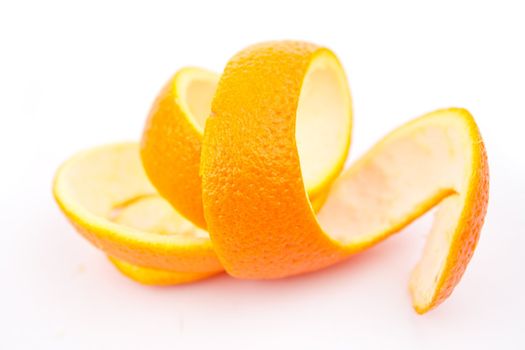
74	76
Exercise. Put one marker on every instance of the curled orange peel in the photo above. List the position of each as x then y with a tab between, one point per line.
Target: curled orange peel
252	156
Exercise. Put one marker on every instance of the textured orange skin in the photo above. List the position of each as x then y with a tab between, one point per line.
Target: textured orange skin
171	149
258	214
171	153
261	229
251	170
469	226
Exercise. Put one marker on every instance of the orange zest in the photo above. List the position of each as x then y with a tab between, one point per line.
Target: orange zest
259	217
109	200
253	159
172	137
171	142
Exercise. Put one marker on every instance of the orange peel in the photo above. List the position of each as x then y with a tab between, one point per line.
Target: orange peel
259	217
172	137
107	197
255	157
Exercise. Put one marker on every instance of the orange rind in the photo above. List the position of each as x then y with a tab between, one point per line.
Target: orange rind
244	172
172	137
109	200
259	217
